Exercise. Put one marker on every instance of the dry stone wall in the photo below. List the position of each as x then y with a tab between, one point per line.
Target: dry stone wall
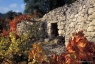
79	15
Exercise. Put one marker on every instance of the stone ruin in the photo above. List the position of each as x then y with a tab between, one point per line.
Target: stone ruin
63	21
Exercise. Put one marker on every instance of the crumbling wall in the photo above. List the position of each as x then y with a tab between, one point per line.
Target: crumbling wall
79	15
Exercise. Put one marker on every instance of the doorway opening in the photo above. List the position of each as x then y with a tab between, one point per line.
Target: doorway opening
54	28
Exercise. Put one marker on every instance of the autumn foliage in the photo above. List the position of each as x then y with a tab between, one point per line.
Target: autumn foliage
13	23
78	51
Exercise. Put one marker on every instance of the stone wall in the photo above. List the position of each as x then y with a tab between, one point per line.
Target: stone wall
79	15
24	27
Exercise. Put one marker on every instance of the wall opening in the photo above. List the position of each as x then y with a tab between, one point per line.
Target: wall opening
54	29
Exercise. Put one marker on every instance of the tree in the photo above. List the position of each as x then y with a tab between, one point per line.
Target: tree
19	13
42	6
10	14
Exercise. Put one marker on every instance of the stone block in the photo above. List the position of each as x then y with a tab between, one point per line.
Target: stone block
90	28
47	40
91	16
59	23
83	11
89	38
92	39
74	19
72	16
85	26
91	2
49	30
80	8
90	10
84	6
92	23
61	18
72	24
76	15
81	19
49	24
60	26
59	32
53	21
89	33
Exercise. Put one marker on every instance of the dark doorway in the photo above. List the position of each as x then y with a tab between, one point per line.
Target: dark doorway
54	29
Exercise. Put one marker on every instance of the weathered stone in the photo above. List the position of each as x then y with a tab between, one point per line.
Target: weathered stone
72	24
91	16
76	15
80	8
49	24
90	28
83	11
72	16
68	16
90	10
82	15
89	33
93	39
62	17
59	23
63	23
92	23
91	2
47	40
84	6
49	30
74	19
60	32
94	5
81	19
85	26
89	38
60	27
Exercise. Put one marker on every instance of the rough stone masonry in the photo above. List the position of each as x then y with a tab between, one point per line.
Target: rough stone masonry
79	15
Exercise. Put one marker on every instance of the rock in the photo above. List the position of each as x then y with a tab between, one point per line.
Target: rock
72	16
59	50
60	32
85	26
89	38
72	24
80	8
92	23
93	39
90	10
84	6
81	19
94	5
74	19
47	40
90	28
87	34
91	2
49	24
60	27
91	16
76	15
